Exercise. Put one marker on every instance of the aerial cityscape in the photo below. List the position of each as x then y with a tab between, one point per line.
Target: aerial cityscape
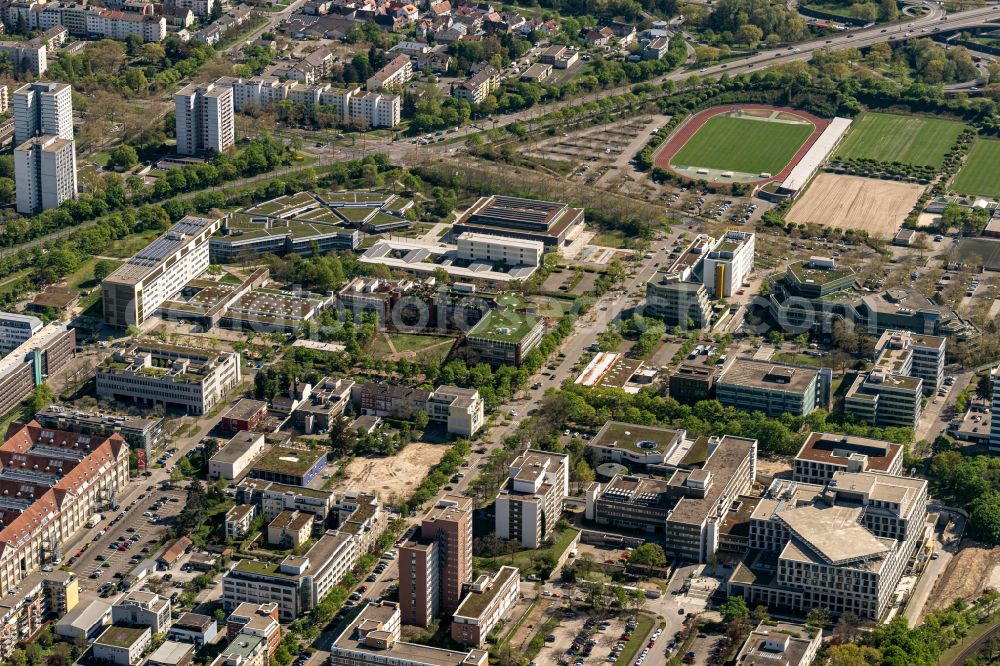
531	333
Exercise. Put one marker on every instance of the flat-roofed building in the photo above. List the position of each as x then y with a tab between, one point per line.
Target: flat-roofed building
885	399
824	454
297	583
818	277
678	302
550	222
194	628
780	644
729	263
530	503
28	366
144	608
995	427
924	356
510	251
246	414
256	620
138	432
633	444
16	329
504	337
238	520
325	404
394	74
461	410
157	373
122	646
289	465
44	173
273	498
204	119
244	650
290	529
363	518
773	388
171	653
691	382
236	456
373	639
39	598
137	288
487	602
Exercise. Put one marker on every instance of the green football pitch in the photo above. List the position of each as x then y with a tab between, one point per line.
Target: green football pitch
981	172
906	139
742	144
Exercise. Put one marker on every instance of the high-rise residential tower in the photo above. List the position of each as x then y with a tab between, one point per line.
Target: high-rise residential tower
204	119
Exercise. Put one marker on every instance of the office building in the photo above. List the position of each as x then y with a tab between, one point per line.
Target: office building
324	406
139	433
677	302
171	653
143	608
297	583
773	388
550	222
729	263
16	329
435	565
244	650
530	504
362	517
913	355
842	547
780	644
136	289
236	456
460	410
638	445
28	366
194	628
504	337
63	476
181	377
995	427
122	646
272	498
509	251
204	116
692	382
294	466
885	399
246	414
487	602
373	639
290	529
44	173
43	108
238	520
824	454
256	620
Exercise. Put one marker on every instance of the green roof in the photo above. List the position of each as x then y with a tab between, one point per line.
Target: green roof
818	276
628	435
123	637
356	215
511	300
261	568
285	460
476	602
505	326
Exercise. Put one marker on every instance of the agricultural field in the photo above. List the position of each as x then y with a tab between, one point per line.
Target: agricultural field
853	202
981	172
906	139
743	144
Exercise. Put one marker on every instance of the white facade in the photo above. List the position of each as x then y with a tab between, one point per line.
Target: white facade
235	457
204	119
25	56
43	108
44	173
397	72
16	329
530	504
134	291
511	251
729	263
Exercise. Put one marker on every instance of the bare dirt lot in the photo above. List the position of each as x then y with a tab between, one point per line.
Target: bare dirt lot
852	202
968	573
395	477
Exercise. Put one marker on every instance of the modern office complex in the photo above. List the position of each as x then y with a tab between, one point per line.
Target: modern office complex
64	476
530	504
182	377
434	566
884	398
913	355
824	454
16	329
136	289
488	600
773	388
43	108
290	465
256	620
139	433
204	119
509	251
638	445
692	382
678	302
528	219
729	263
45	353
842	547
44	173
273	498
504	337
373	639
297	583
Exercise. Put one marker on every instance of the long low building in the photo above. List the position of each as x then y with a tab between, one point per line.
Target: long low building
774	388
488	600
236	456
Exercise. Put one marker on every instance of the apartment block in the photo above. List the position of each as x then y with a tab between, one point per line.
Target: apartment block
459	410
136	289
28	365
143	608
256	620
435	566
138	432
479	86
273	498
44	173
39	598
824	454
373	639
43	108
773	389
239	519
362	517
204	117
396	73
290	529
236	456
26	57
530	504
729	263
154	373
297	583
487	602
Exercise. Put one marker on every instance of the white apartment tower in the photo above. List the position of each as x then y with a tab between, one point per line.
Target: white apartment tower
204	119
43	108
44	173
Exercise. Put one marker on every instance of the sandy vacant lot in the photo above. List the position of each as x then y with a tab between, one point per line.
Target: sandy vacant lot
393	478
968	573
852	202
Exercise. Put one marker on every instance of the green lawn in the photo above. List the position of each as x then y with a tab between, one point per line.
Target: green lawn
129	245
981	173
83	277
527	560
742	144
907	139
428	348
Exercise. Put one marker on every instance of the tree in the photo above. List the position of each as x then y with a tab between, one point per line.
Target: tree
984	518
40	399
887	10
124	157
734	609
749	34
818	617
760	614
103	268
583	474
649	555
984	387
342	438
852	655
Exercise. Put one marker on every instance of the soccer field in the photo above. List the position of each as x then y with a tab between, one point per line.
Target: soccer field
981	172
906	139
742	144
